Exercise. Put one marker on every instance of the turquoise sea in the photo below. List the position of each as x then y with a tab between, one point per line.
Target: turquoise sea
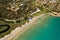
45	28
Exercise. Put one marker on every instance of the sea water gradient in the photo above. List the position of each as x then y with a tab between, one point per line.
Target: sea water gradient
45	28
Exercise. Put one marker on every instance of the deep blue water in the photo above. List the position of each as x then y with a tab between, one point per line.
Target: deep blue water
47	28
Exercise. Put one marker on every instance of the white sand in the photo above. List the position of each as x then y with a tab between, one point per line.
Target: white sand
19	30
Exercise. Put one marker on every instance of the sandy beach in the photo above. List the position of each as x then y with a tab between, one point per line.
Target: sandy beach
55	14
15	33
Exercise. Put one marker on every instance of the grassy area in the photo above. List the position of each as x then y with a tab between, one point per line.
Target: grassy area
43	10
2	28
38	13
12	27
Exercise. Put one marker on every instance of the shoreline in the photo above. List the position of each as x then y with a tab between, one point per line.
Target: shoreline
19	30
55	14
32	21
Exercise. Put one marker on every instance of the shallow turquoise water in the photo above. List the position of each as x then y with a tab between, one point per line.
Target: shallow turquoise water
47	28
